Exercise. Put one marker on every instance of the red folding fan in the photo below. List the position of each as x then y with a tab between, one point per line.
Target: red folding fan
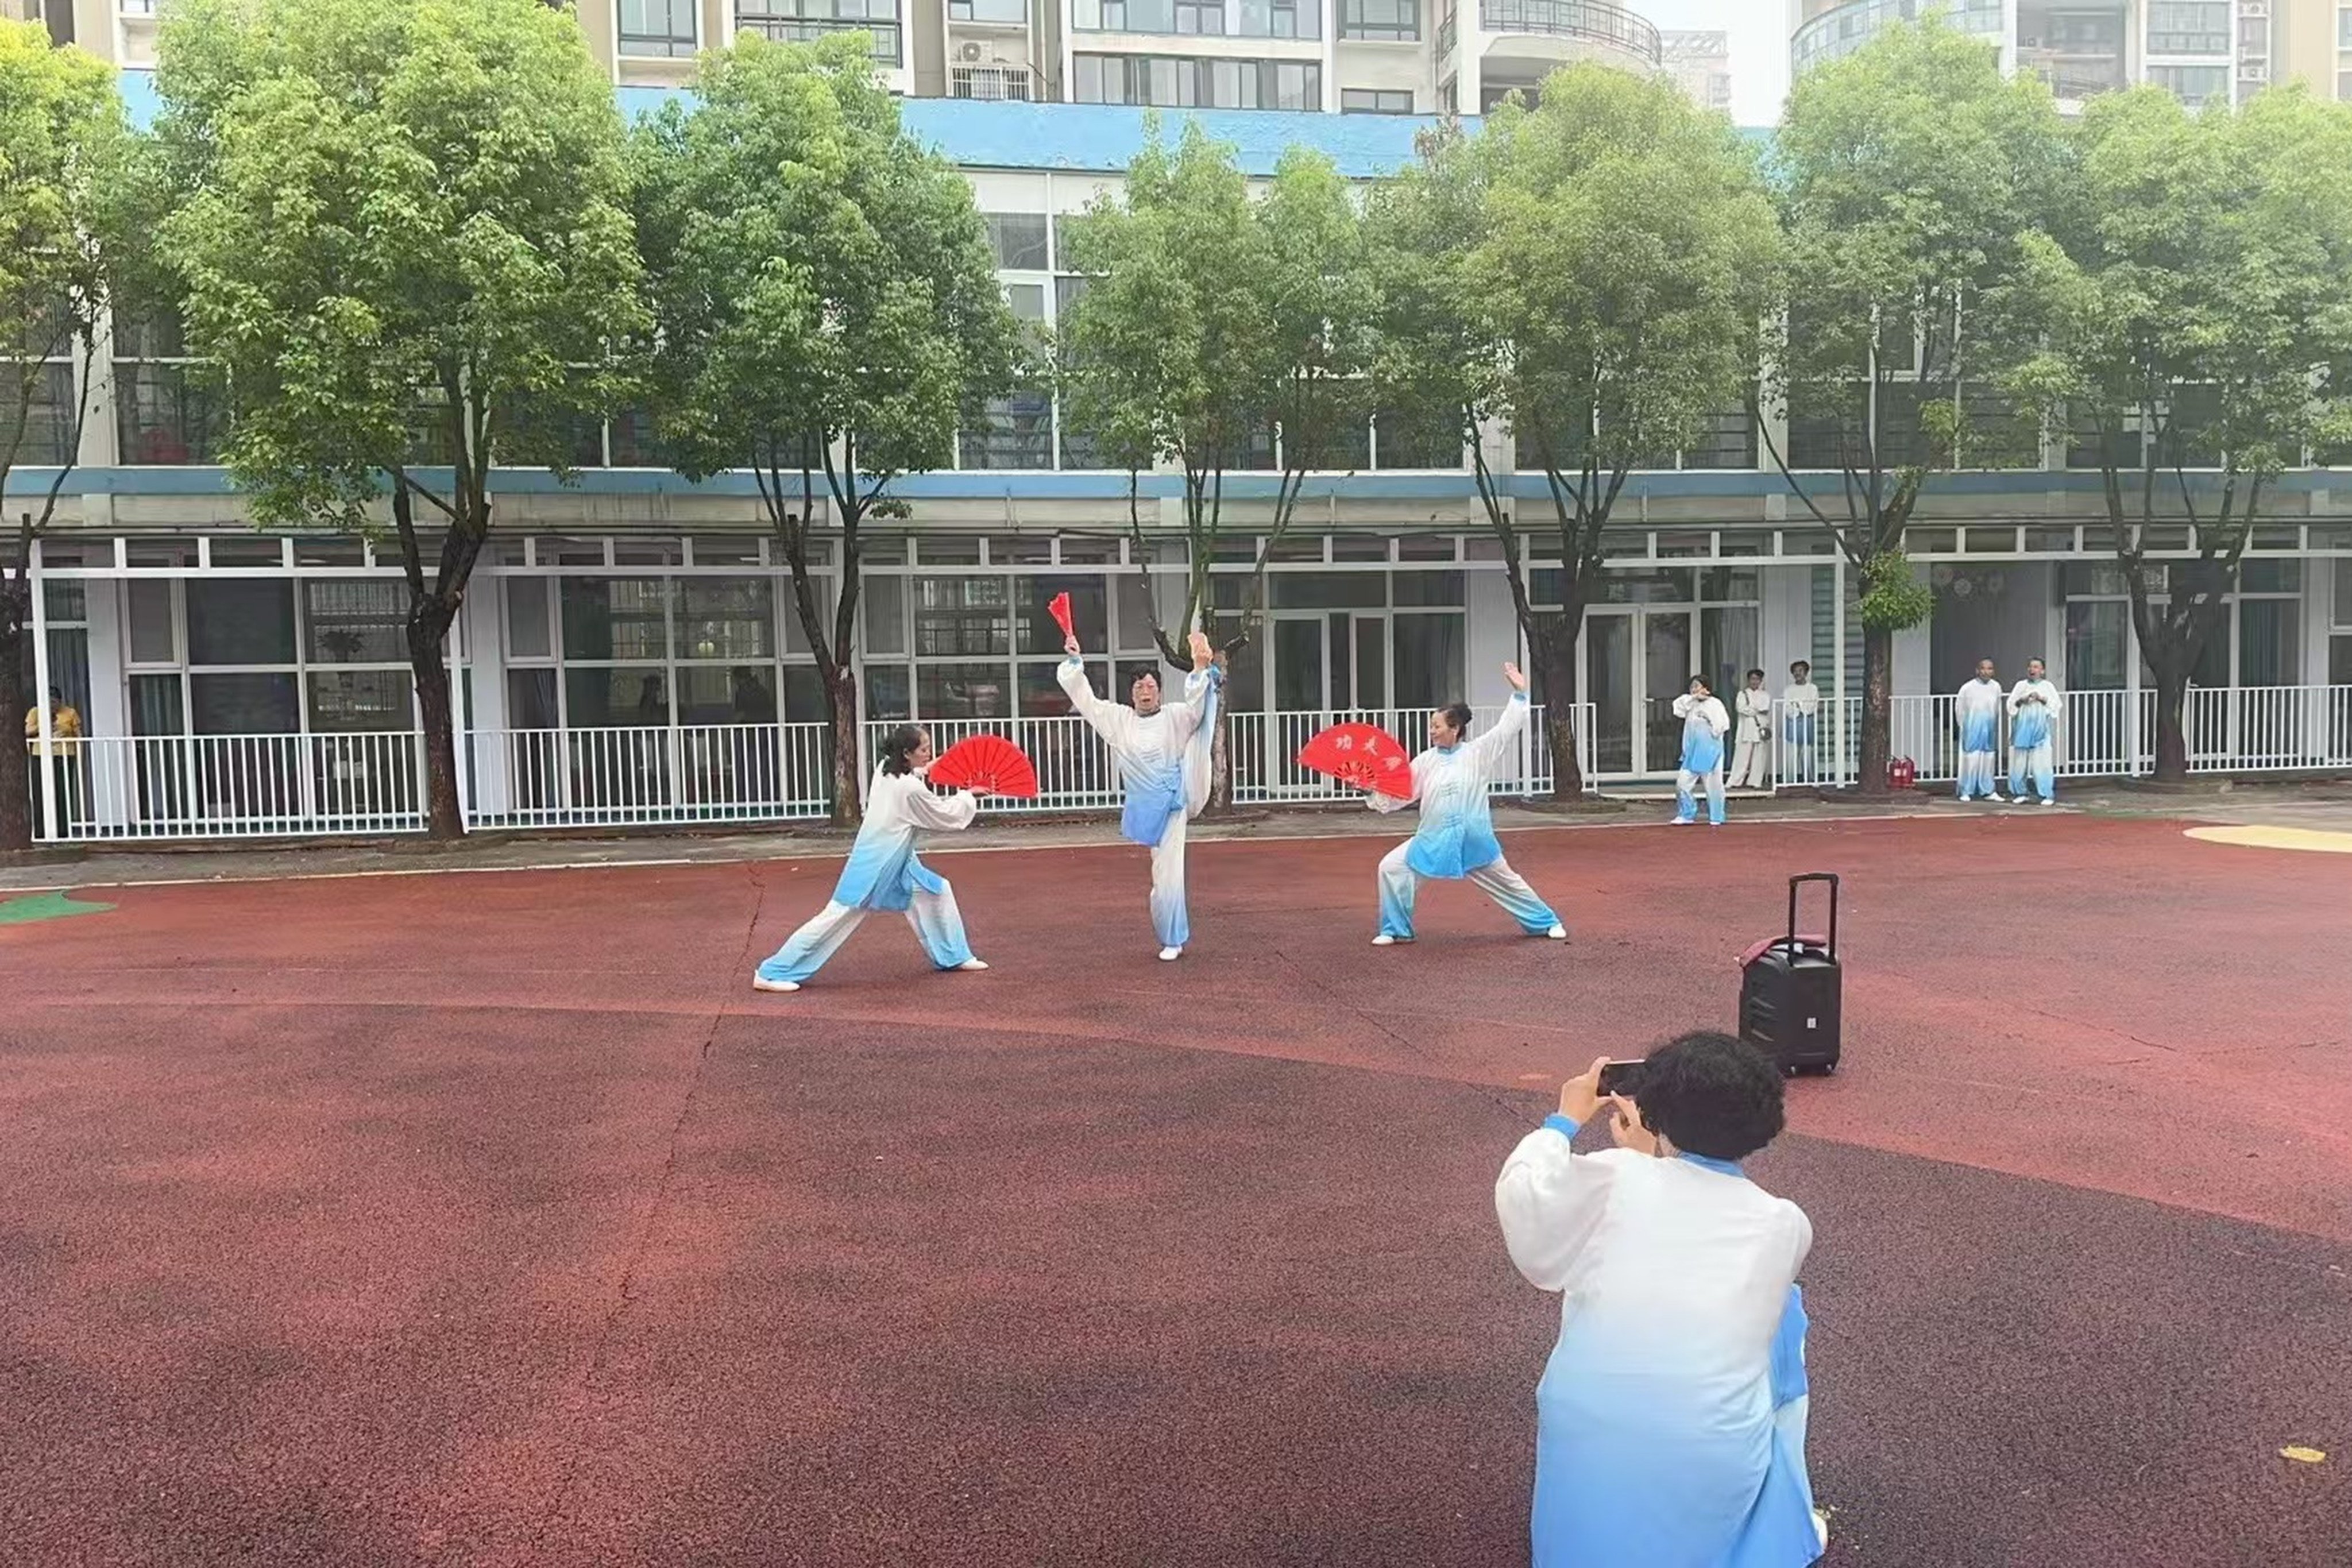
1364	755
1058	606
986	761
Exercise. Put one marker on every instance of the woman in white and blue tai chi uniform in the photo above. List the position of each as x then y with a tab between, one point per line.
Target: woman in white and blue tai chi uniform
884	873
1457	836
2034	709
1162	750
1704	724
1977	710
1670	1420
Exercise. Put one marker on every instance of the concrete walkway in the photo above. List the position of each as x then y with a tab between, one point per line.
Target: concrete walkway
2318	805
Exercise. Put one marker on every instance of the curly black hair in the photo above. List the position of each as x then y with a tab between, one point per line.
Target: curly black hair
1710	1094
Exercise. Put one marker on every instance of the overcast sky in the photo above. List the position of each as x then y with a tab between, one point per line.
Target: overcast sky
1759	48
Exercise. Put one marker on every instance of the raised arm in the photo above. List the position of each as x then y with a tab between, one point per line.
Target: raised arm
1488	751
1550	1199
1185	718
1109	718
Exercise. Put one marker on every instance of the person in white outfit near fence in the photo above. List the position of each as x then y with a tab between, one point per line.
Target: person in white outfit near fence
884	873
1705	724
1162	751
1800	708
2033	709
1751	761
1976	711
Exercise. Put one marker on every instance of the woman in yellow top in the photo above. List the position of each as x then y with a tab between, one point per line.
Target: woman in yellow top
63	753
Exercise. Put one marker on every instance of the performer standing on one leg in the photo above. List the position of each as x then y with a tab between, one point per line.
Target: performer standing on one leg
1703	723
1163	763
1977	710
1457	836
2033	709
1801	706
1750	761
883	872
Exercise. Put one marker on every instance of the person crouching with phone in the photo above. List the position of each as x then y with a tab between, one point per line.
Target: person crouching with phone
1669	1422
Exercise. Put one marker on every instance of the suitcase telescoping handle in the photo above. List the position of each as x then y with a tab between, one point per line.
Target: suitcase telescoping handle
1794	883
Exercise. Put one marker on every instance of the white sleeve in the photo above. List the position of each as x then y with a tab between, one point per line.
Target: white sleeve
1682	705
1107	717
1486	751
2050	695
940	813
2017	698
1550	1201
1717	719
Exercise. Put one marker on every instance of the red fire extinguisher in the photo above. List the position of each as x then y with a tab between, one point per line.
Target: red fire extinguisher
1901	773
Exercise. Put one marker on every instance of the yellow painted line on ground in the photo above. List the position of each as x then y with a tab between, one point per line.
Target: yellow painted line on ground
2254	836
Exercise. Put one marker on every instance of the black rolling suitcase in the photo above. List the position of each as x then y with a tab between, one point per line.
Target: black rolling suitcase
1790	991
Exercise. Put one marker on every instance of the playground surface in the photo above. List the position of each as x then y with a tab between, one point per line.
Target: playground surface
491	1218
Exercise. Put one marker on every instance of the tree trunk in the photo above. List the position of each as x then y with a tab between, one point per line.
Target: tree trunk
2171	725
428	632
17	794
1557	653
1877	712
1221	765
849	762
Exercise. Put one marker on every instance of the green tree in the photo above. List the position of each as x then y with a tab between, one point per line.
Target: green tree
2191	309
403	237
1911	173
1589	273
62	143
1211	323
828	314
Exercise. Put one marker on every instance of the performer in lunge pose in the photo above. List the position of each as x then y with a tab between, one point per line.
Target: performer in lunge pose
883	872
1456	837
1162	750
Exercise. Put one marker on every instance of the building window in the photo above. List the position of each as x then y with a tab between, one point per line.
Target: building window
1281	18
806	21
2344	27
1015	432
1391	21
2193	85
1008	13
661	28
1370	101
2189	28
1019	241
1181	82
165	411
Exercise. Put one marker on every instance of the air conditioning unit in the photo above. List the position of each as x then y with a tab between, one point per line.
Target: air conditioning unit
969	53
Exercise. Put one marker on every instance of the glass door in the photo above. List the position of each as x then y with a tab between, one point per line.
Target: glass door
1666	671
1609	682
1368	644
1303	646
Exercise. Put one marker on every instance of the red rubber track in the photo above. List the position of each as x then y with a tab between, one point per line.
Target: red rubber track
493	1220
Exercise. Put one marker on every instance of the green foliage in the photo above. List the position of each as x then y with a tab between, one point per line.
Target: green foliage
1210	316
2196	282
395	212
63	141
1893	597
1588	271
1913	177
820	279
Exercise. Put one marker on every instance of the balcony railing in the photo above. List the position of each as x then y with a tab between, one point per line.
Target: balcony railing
791	30
1594	21
1845	28
1014	84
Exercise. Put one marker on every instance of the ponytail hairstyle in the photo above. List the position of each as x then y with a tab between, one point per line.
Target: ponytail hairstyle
897	744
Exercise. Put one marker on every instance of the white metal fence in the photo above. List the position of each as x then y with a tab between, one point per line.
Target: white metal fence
231	786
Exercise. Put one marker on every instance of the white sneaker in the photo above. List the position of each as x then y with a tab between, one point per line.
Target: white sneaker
971	963
1683	821
1558	933
1822	1527
1384	940
759	984
2047	800
1998	798
1171	954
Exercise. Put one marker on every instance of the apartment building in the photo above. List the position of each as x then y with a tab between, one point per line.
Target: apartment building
2204	51
1701	63
629	653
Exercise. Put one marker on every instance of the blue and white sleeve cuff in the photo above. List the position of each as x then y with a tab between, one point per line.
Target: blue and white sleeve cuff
1560	1124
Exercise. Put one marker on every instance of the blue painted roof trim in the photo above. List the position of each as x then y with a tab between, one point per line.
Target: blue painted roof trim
1080	138
1047	484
